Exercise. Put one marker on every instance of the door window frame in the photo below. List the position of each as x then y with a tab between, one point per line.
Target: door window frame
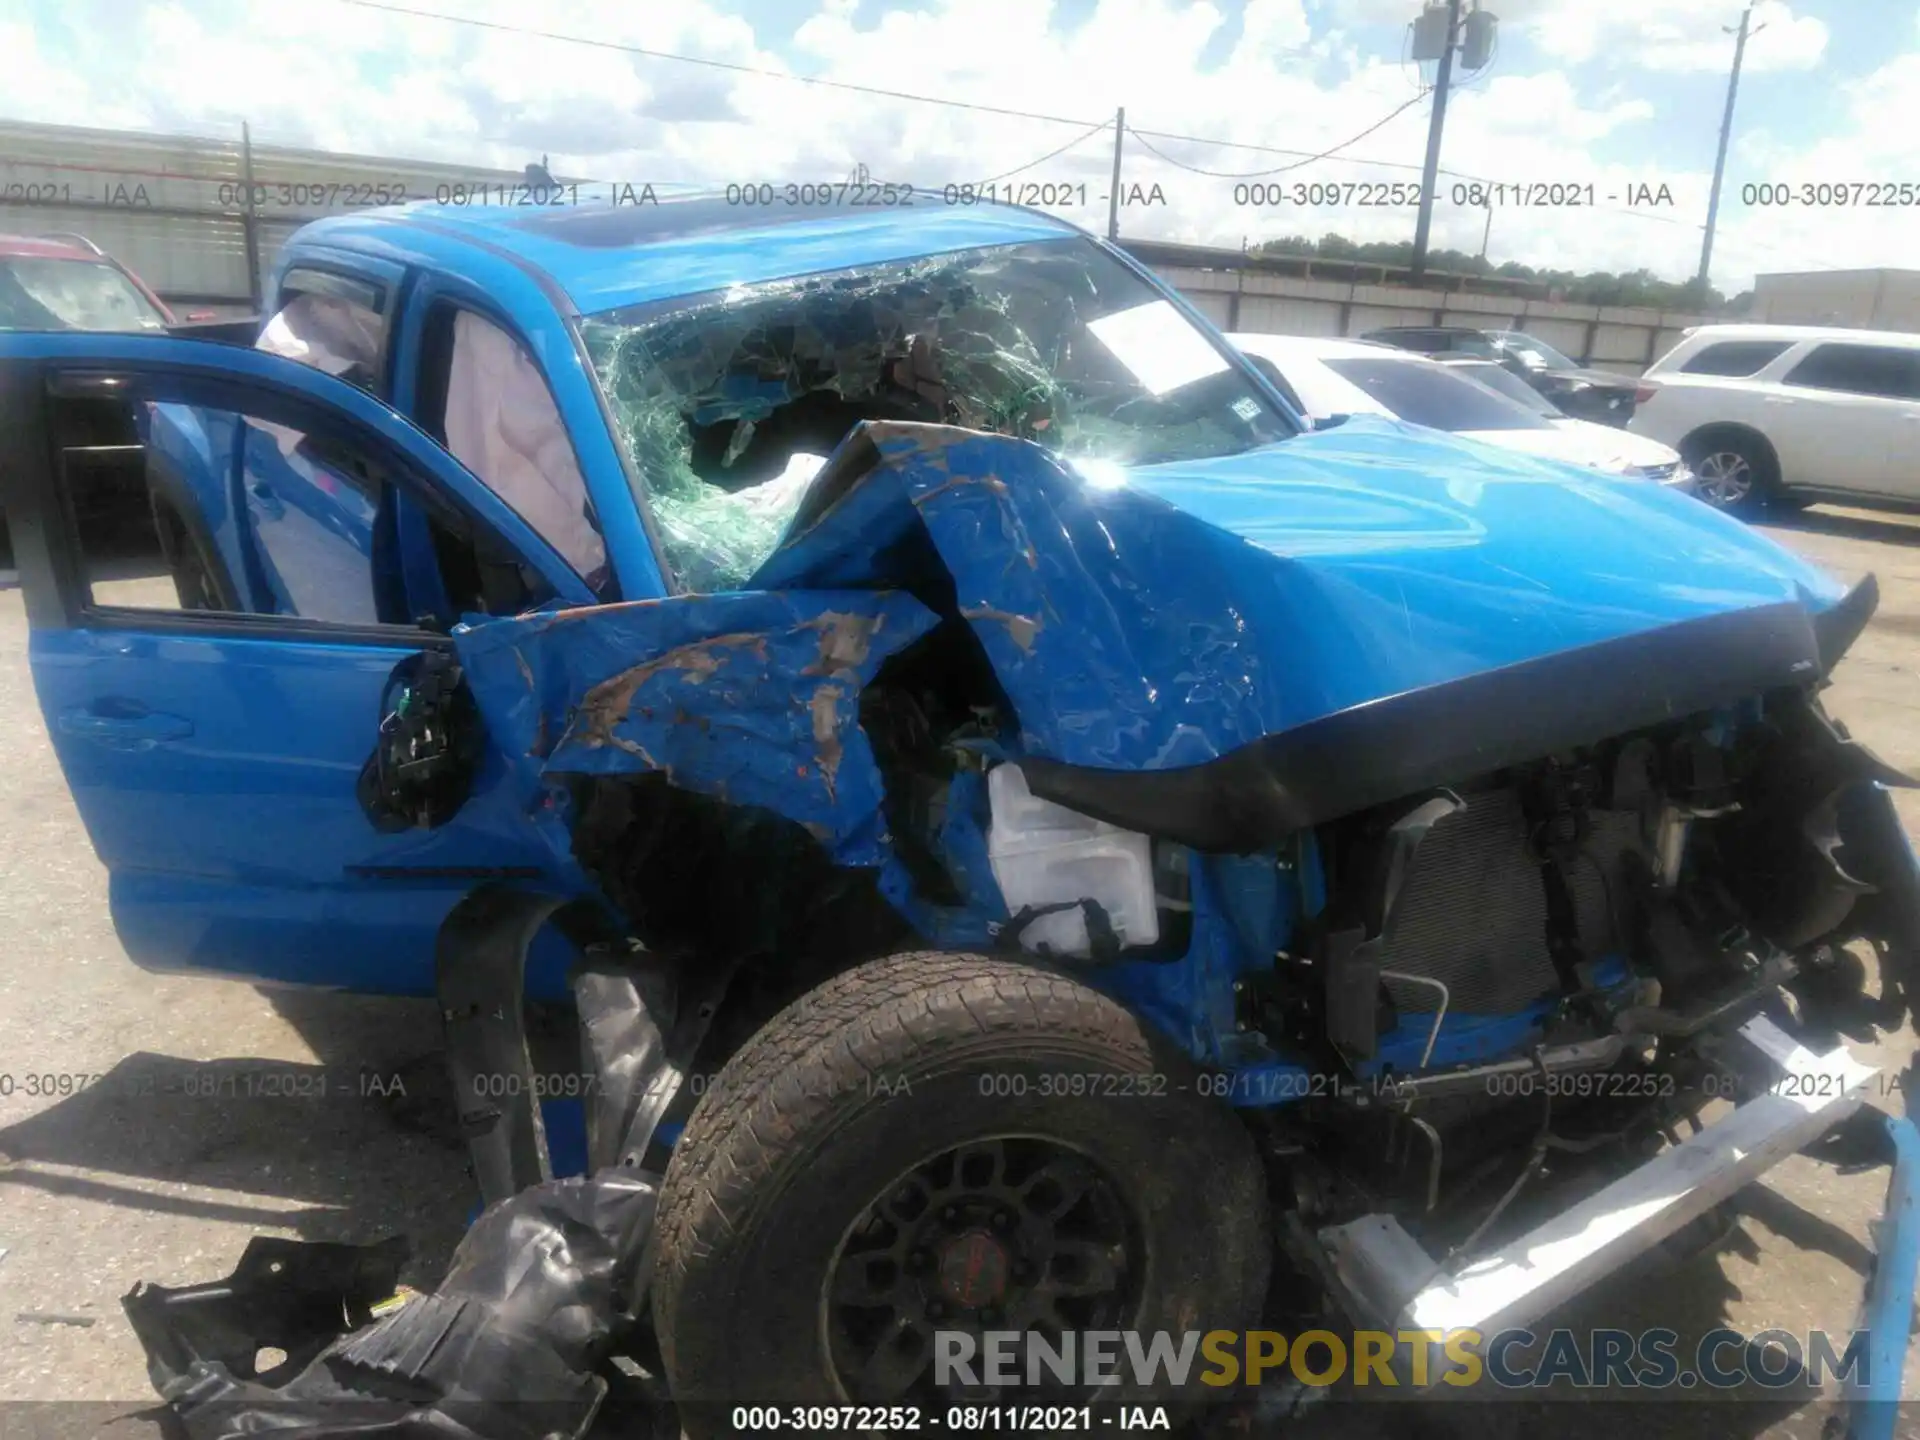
47	540
1691	365
422	396
357	279
636	561
1911	357
433	379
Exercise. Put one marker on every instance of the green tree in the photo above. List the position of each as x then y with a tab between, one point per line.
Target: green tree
1639	287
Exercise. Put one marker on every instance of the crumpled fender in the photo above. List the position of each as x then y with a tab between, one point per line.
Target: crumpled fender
1162	618
750	698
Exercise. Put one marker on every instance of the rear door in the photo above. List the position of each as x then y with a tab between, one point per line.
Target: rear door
212	745
1844	416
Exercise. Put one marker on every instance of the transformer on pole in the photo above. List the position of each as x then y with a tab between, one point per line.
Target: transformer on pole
1438	32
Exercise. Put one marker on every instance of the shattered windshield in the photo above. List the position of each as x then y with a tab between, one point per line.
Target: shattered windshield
729	402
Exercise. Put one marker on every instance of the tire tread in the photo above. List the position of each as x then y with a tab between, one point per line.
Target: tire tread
850	1030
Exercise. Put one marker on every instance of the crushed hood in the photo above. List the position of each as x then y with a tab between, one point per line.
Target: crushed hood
1165	616
1377	600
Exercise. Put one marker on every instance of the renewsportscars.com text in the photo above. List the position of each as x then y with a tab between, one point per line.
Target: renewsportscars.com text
1513	1359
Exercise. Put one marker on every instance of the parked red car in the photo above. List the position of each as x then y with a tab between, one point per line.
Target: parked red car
66	282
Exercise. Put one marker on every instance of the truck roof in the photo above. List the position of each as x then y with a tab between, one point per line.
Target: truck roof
603	256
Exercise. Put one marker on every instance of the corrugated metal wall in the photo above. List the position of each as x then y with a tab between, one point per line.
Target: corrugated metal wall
179	212
1880	299
1245	298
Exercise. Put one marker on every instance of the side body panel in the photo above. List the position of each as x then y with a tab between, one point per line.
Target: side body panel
214	756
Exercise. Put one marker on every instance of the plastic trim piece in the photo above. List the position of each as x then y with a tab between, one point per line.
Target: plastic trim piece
1837	627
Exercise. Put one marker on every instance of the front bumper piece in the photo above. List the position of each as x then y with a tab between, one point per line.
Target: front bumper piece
1392	1282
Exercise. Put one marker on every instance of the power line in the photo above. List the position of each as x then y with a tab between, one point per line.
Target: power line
728	65
1304	157
1394	114
1283	150
733	67
1077	140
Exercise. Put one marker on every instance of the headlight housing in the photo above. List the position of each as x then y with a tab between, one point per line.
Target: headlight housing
1673	474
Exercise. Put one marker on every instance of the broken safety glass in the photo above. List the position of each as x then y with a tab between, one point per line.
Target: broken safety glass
728	402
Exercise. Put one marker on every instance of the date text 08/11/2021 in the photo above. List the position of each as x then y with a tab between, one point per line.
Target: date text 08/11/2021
977	1419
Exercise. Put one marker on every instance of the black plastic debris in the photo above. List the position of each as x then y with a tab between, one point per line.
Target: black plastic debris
293	1296
514	1345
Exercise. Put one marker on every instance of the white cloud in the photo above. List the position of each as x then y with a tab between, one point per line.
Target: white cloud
1272	27
1669	36
1364	12
1871	145
349	78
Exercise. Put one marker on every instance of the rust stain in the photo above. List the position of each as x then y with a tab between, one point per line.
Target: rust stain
845	641
932	441
826	733
542	745
608	703
639	751
1022	628
555	618
991	483
996	487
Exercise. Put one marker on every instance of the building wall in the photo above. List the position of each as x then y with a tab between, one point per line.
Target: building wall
176	210
179	212
1864	299
1610	337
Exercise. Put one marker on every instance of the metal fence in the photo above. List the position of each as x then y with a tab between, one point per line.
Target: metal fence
1286	296
200	220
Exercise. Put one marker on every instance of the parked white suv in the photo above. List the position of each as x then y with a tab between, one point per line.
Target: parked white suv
1784	415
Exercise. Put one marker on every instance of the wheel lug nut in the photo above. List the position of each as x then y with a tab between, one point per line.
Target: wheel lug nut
1002	1220
935	1309
917	1260
949	1214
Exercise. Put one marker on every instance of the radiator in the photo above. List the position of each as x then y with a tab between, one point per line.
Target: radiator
1473	912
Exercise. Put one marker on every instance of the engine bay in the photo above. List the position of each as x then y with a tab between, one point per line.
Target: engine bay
1545	958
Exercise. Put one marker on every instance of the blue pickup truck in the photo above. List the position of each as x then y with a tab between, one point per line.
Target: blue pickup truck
1067	833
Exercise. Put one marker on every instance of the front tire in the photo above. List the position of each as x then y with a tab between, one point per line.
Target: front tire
1734	472
944	1142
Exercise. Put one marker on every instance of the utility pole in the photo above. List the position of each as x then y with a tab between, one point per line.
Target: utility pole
250	221
1429	173
1720	160
1113	191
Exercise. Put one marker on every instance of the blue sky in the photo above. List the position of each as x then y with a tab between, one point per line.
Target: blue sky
1619	93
